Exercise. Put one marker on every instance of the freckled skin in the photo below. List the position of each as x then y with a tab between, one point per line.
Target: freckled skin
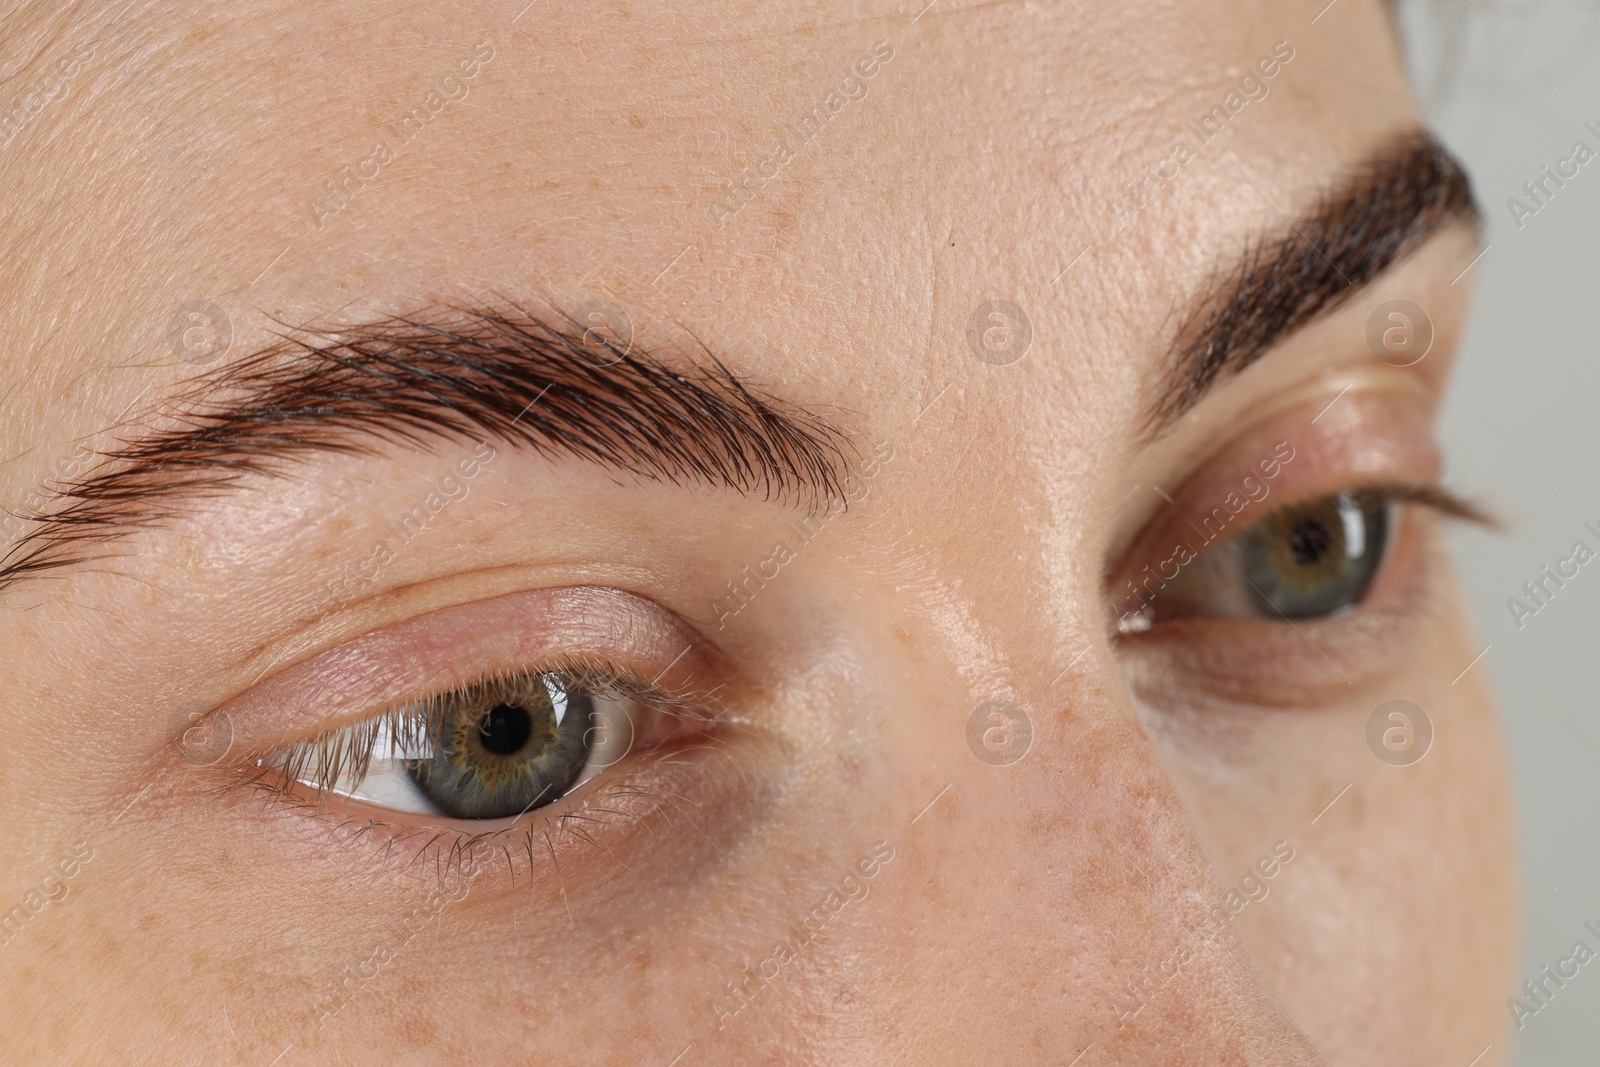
1021	900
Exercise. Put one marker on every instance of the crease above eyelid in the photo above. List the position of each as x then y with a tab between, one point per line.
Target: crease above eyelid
454	647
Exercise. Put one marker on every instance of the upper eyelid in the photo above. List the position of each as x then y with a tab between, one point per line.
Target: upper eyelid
452	647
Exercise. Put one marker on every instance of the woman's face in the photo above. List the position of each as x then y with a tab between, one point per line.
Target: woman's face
803	534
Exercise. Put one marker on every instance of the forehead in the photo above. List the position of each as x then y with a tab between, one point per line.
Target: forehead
824	196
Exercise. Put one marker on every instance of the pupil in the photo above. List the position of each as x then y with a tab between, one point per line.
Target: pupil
1310	542
505	729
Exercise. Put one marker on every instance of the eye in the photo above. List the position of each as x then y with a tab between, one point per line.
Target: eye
1308	560
1315	559
496	749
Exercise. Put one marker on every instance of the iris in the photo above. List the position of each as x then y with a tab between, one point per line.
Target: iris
1316	558
505	746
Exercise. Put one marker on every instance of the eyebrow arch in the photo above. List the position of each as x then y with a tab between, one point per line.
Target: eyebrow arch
447	374
1376	215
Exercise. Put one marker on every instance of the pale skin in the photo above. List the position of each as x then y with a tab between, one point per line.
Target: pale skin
974	563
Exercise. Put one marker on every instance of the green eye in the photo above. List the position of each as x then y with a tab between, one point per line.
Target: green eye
493	750
1317	558
505	747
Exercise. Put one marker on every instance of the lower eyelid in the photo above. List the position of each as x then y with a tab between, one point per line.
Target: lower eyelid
1193	662
664	822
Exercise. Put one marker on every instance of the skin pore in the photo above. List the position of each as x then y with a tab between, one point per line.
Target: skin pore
799	494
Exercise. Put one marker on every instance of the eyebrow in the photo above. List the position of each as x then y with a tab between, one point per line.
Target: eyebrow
1370	219
450	374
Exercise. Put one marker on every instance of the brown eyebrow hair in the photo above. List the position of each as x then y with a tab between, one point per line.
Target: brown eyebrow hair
1374	216
420	380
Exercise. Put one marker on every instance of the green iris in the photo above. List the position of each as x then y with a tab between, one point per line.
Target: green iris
505	747
1316	558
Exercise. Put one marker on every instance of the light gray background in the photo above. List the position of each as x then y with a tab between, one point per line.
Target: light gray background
1509	86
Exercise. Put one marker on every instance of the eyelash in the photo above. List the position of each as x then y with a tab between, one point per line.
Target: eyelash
290	772
1434	497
